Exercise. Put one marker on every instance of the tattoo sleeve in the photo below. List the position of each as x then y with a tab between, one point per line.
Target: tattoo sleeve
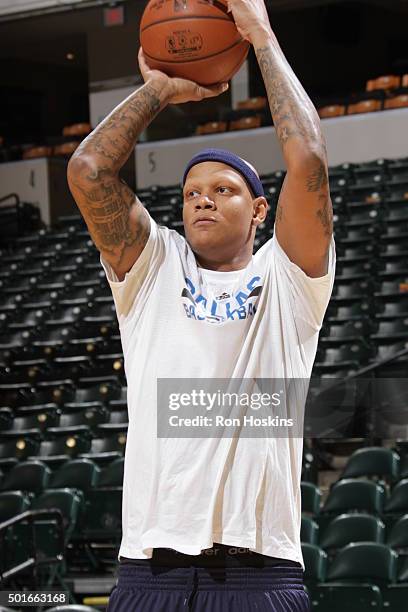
115	218
295	118
113	140
297	126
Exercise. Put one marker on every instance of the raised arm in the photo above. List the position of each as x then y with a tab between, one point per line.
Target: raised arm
304	215
116	219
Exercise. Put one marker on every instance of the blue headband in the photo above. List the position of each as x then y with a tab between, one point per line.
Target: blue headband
226	157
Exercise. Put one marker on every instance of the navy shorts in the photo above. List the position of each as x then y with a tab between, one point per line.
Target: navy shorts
243	582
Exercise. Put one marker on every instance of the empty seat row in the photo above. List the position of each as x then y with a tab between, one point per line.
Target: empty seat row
361	576
352	494
34	477
355	527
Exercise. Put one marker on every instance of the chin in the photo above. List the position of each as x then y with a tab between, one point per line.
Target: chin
203	245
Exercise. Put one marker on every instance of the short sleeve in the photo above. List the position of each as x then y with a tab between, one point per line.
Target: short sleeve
309	296
131	293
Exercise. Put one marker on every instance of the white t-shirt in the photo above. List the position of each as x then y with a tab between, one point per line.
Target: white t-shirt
179	321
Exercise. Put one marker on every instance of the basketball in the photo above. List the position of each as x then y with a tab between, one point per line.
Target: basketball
192	39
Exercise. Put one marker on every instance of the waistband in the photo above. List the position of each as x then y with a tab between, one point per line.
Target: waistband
219	555
214	579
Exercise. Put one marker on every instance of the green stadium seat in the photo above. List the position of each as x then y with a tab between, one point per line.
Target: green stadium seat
92	415
12	503
397	503
398	536
373	461
364	561
50	540
315	560
109	446
40	417
28	476
112	474
311	497
355	495
403	573
66	500
99	393
79	474
347	528
103	519
64	443
309	531
18	446
353	597
358	577
101	525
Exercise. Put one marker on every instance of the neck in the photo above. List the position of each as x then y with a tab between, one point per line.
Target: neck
237	263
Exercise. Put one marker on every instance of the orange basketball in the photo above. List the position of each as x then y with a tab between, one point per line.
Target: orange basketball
193	39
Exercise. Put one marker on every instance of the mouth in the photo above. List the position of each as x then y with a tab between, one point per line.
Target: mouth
203	222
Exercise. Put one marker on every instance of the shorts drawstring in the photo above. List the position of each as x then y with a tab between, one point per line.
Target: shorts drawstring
191	588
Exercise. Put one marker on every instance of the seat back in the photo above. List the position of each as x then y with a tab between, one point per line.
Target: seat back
112	475
310	498
364	561
65	500
350	494
398	536
347	528
309	531
398	500
373	461
77	473
12	503
32	476
315	560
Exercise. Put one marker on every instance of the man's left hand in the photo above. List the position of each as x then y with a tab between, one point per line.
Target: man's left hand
251	18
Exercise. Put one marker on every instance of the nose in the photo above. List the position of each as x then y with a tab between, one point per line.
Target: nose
204	202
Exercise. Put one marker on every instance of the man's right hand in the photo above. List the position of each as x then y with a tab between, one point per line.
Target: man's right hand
179	90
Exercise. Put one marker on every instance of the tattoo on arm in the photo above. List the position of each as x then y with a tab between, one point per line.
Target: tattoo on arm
292	112
318	182
116	219
115	138
297	126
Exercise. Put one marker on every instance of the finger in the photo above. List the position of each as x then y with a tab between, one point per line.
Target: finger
212	90
142	61
229	9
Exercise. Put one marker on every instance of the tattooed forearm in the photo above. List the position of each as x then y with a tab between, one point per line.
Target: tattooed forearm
294	116
114	139
116	220
298	129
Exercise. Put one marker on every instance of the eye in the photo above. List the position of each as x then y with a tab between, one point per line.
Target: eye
223	189
192	193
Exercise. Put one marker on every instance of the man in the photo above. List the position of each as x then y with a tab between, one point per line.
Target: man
210	522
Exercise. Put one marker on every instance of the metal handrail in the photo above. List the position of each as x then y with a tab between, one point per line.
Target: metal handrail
367	369
30	516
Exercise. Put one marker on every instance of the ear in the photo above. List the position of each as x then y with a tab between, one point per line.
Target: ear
260	210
